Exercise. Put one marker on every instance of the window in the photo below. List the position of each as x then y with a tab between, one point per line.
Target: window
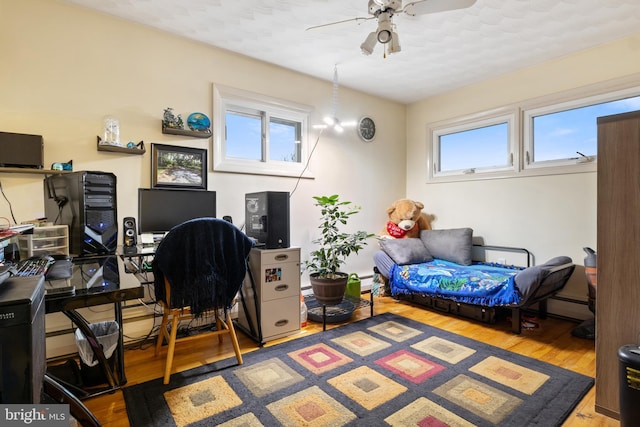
556	134
566	134
259	135
476	146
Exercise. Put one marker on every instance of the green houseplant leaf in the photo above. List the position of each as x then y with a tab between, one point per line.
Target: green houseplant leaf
334	246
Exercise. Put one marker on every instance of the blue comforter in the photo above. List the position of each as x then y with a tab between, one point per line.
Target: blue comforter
479	284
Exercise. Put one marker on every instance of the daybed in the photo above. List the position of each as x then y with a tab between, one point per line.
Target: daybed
436	270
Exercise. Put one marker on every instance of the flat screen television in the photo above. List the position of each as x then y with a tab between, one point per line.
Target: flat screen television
159	210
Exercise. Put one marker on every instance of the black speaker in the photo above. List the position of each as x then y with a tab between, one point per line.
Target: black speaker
267	218
129	232
12	252
21	150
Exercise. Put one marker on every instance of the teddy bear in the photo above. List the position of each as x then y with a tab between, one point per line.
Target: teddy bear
406	219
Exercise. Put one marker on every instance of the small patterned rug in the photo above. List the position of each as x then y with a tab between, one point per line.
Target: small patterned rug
384	370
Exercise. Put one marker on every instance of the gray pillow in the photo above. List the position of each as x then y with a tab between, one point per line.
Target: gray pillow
406	251
454	245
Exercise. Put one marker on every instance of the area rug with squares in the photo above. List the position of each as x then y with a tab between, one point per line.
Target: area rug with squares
383	370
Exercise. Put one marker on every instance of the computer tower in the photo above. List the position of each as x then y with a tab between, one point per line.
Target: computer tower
86	202
22	340
267	218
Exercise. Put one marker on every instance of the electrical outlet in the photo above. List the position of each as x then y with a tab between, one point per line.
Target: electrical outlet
502	261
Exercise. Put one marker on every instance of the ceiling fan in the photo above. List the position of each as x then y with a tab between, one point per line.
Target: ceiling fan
384	10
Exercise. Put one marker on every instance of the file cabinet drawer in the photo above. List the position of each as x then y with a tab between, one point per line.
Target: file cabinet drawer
280	318
280	282
278	256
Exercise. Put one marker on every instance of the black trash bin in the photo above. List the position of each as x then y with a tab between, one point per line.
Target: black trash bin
629	357
107	335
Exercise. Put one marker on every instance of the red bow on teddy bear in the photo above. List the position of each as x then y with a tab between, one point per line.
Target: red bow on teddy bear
395	231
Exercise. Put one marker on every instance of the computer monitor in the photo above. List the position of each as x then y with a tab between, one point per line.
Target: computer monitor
159	210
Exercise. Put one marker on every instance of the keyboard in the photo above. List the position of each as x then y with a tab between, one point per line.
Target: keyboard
34	266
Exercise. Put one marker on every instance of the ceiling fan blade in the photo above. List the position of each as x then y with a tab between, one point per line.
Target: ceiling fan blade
339	22
422	7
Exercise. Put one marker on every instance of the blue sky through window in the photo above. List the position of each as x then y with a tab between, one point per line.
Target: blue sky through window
563	134
244	138
556	136
475	148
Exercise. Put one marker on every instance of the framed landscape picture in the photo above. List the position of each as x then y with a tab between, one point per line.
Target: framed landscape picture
178	167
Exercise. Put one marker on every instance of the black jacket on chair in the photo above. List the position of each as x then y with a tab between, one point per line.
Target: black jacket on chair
204	261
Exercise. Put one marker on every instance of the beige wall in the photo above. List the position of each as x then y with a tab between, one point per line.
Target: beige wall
64	68
549	215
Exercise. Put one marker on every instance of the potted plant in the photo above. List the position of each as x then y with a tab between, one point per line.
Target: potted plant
327	282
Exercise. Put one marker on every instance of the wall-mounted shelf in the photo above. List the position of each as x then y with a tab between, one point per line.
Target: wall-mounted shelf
31	170
114	148
186	132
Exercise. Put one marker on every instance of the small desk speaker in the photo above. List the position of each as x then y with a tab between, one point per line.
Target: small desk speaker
129	231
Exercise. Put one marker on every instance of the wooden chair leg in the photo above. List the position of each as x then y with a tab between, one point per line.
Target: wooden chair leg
219	325
172	318
175	320
162	333
234	338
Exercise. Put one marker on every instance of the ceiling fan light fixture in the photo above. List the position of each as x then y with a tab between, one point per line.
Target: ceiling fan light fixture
329	120
384	36
369	43
394	46
384	28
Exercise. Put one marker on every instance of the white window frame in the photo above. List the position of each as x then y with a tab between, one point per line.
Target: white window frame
495	117
225	97
577	164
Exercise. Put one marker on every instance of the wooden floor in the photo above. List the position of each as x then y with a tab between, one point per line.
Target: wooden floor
551	342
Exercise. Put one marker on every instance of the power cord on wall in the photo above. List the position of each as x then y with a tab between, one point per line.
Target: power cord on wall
307	164
9	203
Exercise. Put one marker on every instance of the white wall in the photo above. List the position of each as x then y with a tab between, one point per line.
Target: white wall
549	215
65	68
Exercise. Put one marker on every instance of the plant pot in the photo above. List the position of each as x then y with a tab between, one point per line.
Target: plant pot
329	291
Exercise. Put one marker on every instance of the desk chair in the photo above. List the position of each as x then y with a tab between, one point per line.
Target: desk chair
56	391
199	267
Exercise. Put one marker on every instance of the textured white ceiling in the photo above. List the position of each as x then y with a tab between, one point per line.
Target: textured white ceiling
440	52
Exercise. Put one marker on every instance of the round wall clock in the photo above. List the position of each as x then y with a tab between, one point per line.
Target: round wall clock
367	129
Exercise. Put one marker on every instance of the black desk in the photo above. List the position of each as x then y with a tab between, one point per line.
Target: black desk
98	280
134	258
137	250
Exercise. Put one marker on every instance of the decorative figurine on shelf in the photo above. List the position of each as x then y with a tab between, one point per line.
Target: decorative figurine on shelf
169	120
111	131
199	122
60	166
